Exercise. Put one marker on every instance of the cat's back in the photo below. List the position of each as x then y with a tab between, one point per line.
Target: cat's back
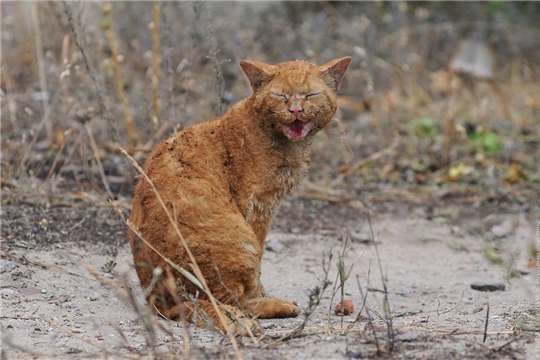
184	168
192	152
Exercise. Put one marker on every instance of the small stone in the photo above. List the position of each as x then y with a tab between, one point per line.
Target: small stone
409	336
29	291
43	223
353	354
360	237
480	286
348	308
6	266
402	290
477	310
273	244
503	229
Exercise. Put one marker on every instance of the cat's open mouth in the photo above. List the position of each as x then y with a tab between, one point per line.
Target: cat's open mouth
297	130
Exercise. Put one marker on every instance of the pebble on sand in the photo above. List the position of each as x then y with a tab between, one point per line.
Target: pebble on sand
348	308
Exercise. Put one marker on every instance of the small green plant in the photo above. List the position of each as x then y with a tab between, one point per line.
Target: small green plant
486	141
491	254
109	266
424	127
526	322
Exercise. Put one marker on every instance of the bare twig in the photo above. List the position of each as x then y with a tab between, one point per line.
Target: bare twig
218	76
352	201
505	344
368	313
55	161
386	301
339	179
141	310
102	106
25	260
452	308
454	331
42	78
102	348
364	297
98	160
156	66
22	166
128	116
315	297
344	140
486	325
342	276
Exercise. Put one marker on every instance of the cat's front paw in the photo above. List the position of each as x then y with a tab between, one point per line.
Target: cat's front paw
290	309
269	308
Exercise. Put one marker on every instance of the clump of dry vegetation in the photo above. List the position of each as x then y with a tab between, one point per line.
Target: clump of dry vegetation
463	122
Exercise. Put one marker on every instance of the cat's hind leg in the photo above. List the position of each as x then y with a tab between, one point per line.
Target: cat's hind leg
237	322
202	313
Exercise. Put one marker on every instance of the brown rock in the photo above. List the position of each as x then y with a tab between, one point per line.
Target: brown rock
348	308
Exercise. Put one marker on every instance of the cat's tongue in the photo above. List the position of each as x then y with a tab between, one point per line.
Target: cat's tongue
297	130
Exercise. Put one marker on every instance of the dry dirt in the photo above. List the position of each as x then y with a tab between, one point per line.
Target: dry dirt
54	308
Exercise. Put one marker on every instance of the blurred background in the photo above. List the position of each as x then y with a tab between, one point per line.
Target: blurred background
441	102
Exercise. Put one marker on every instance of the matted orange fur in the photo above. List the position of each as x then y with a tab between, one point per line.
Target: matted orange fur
223	180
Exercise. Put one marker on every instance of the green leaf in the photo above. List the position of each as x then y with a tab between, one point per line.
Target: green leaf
424	126
487	141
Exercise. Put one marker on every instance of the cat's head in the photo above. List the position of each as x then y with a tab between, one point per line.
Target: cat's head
295	99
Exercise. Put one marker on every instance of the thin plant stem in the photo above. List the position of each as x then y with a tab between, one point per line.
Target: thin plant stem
183	241
128	116
98	160
42	77
156	66
104	110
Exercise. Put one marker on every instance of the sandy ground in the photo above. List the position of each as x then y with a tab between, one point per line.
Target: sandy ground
53	307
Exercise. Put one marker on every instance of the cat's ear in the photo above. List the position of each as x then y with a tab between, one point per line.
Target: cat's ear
257	72
332	72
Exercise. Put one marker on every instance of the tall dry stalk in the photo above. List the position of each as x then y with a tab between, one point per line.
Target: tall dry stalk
315	297
97	157
199	277
128	116
156	66
386	301
342	276
81	45
218	76
42	78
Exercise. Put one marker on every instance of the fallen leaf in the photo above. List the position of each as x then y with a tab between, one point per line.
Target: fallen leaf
514	174
456	172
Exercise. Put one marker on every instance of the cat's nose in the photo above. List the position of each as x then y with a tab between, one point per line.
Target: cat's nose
296	109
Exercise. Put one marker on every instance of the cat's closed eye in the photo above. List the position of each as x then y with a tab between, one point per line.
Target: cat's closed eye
312	95
282	96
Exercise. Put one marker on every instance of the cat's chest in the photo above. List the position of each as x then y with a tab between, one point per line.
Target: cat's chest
266	194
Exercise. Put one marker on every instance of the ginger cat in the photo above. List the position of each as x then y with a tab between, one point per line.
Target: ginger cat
223	180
